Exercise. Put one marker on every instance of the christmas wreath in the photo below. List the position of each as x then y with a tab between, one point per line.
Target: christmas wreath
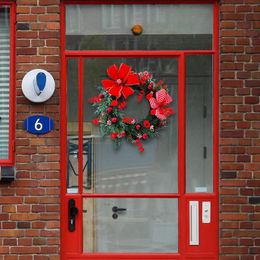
112	100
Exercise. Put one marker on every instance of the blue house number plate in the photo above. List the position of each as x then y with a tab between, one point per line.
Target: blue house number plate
38	124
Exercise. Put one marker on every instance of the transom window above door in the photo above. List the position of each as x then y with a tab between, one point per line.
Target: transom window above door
161	26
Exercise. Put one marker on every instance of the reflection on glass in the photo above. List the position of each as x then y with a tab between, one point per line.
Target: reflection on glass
126	170
88	163
130	225
166	27
72	126
4	81
199	135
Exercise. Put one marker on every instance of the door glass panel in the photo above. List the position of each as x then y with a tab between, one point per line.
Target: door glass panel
137	225
165	26
72	126
126	170
199	131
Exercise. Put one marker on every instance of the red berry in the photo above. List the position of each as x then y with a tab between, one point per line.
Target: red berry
109	109
141	149
95	121
152	112
114	120
123	134
137	127
114	135
145	136
114	103
101	96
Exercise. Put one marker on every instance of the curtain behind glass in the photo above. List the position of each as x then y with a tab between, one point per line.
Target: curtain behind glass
4	80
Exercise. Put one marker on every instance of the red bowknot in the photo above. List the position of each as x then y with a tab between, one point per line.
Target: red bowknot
159	104
122	78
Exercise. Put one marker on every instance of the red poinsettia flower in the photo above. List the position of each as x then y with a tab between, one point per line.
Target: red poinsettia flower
122	79
122	105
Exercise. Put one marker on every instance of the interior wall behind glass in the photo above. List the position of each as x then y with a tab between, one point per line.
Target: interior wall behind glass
199	131
125	169
165	26
72	126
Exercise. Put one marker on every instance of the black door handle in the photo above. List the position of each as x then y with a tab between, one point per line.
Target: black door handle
73	211
116	209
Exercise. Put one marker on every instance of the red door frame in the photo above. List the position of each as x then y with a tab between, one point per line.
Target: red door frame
71	247
12	70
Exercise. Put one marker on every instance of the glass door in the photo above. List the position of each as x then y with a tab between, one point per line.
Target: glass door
140	218
120	203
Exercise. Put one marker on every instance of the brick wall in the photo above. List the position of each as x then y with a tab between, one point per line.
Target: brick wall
29	215
240	124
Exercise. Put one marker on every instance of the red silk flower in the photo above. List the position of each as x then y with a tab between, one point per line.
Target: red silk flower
159	104
122	79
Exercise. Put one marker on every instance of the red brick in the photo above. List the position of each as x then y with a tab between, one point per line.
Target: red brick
26	2
244	8
252	66
227	24
26	18
49	17
243	125
49	51
237	216
26	51
243	158
48	35
234	250
243	75
252	116
231	84
22	43
22	9
233	33
24	242
232	49
232	100
233	183
25	250
49	2
11	233
38	10
251	134
53	26
233	133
